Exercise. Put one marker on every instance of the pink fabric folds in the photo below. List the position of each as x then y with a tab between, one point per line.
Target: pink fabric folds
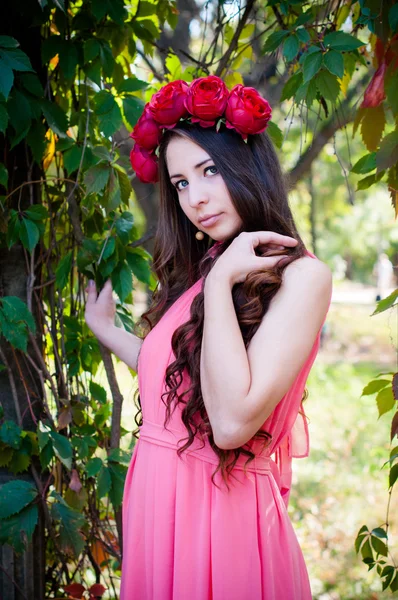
183	537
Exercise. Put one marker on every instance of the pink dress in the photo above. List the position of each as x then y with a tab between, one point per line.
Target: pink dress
186	539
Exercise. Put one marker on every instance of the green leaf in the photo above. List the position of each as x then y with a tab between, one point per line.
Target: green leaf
6	79
385	400
29	234
303	35
70	522
393	475
10	434
3	116
311	65
344	42
91	49
16	310
18	530
387	155
3	175
274	40
327	85
111	121
132	108
98	392
291	86
72	158
8	42
5	455
36	212
103	482
20	462
118	476
275	134
386	303
35	139
55	117
138	265
62	448
291	46
124	225
122	281
109	247
393	18
379	532
106	58
15	59
119	456
31	82
63	270
94	466
379	546
375	386
96	178
132	84
104	102
334	62
14	496
365	164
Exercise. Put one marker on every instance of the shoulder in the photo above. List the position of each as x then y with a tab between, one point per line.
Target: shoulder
308	273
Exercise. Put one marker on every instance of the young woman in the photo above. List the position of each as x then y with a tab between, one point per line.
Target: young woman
234	328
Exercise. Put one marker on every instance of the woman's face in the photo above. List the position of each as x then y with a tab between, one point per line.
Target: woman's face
201	189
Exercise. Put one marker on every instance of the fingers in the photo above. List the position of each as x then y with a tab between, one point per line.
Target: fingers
106	291
91	290
267	237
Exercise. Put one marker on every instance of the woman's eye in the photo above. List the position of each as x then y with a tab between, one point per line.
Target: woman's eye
177	185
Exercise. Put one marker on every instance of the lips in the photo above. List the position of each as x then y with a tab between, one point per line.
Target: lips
210	220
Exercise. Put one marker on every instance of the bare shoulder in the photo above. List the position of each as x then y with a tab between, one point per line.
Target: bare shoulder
306	271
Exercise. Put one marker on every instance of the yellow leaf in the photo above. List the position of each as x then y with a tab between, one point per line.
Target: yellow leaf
394	200
50	150
372	126
233	79
357	121
342	15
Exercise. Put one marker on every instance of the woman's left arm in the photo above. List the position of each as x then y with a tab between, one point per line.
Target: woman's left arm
242	387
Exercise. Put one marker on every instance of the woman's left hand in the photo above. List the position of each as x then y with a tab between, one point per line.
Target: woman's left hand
240	258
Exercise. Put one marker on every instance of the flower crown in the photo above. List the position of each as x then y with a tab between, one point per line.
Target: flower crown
205	101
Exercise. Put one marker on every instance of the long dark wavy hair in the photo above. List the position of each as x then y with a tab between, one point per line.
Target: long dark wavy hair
252	174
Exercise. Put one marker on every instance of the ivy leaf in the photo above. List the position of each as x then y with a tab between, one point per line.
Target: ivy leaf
63	270
124	225
387	155
365	164
375	386
68	59
275	134
303	35
10	434
311	65
103	482
133	84
72	158
334	62
274	40
18	530
6	79
386	303
118	476
122	281
393	475
327	85
291	86
111	121
70	522
94	466
36	212
14	496
55	117
138	265
291	46
20	462
15	59
29	234
98	392
132	108
385	400
7	41
62	448
124	185
96	178
372	126
344	42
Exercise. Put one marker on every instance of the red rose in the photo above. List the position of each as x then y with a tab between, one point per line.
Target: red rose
146	132
247	111
167	105
206	100
144	164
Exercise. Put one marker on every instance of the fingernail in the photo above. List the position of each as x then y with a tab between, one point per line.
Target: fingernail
91	282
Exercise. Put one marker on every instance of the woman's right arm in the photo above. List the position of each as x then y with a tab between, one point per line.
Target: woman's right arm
100	318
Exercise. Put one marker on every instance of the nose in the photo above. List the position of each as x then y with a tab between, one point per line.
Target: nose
197	195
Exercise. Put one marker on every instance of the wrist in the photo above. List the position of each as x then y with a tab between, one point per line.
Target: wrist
219	277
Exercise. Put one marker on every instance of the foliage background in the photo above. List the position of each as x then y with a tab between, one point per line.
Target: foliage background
74	77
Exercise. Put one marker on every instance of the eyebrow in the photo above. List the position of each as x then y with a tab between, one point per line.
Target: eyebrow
195	167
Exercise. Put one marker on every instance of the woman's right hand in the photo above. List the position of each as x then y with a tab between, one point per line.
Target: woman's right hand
100	308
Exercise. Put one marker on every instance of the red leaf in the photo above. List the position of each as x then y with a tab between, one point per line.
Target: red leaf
374	93
395	386
75	483
97	590
75	590
394	426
